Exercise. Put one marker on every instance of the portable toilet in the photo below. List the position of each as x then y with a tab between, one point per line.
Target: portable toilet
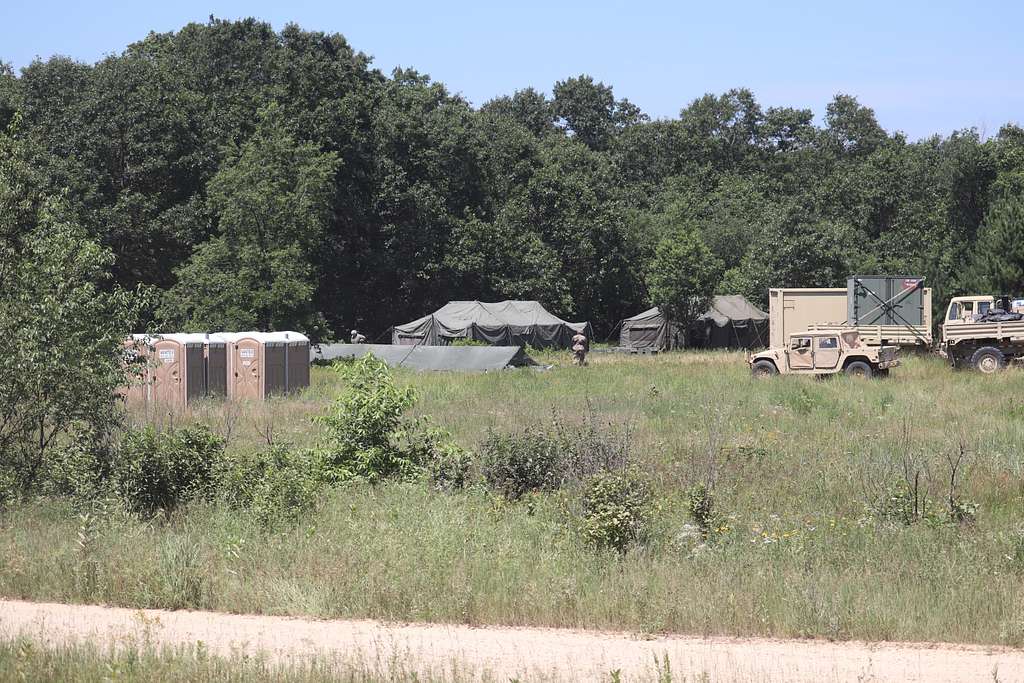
178	368
261	364
174	373
136	358
214	378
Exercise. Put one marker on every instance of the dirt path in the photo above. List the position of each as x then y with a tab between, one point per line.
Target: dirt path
515	652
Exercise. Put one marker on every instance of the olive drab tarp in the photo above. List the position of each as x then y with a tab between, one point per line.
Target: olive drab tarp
504	323
465	358
731	322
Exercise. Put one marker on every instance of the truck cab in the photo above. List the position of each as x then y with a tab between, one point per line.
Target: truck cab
824	353
963	309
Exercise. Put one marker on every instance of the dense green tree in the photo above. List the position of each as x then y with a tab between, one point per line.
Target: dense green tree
798	249
69	323
591	111
562	195
272	204
998	265
530	109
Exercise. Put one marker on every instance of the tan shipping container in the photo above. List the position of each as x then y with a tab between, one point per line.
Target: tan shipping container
802	309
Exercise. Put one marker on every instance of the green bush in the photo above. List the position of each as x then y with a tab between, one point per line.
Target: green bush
467	341
363	423
369	436
518	463
544	457
276	486
81	468
617	510
156	471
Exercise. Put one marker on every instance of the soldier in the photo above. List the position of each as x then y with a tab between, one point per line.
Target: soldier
356	338
580	346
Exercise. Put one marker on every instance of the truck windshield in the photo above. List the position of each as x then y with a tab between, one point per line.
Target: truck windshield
954	311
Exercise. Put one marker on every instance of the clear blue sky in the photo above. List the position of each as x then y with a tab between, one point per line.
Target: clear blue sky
925	67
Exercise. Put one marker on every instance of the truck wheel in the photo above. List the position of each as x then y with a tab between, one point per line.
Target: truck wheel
858	369
764	368
988	360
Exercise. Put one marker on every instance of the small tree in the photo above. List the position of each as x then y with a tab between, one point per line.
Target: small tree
364	424
682	276
64	329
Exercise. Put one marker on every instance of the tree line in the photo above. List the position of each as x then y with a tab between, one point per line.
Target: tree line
236	177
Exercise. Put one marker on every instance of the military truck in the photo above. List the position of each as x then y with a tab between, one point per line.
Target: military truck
983	332
825	353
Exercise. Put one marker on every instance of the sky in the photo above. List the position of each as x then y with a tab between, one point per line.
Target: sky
924	67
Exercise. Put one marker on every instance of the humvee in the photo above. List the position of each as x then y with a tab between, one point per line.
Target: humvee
825	353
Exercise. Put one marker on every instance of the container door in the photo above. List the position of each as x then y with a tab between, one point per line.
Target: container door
216	370
801	355
826	352
273	368
195	372
168	382
245	369
298	366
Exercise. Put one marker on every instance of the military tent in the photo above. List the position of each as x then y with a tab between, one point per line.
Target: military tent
649	330
504	323
732	322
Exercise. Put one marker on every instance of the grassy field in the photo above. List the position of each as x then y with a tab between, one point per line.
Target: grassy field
800	546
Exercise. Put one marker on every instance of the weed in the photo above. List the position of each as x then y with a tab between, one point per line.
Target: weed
617	510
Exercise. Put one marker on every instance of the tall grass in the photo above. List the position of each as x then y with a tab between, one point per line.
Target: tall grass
797	549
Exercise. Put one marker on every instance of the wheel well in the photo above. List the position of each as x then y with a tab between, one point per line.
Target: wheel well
854	359
766	360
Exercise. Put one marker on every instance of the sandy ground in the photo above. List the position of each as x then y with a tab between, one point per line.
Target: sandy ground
503	653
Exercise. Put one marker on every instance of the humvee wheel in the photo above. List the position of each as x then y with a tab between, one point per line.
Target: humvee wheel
858	369
988	360
764	368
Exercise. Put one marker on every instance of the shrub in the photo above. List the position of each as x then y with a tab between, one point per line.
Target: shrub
447	465
370	437
363	423
161	470
518	463
276	486
81	468
617	509
544	457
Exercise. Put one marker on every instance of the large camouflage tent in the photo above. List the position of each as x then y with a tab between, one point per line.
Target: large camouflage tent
504	323
731	322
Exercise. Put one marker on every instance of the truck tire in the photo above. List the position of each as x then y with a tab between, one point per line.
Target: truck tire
764	368
859	368
988	359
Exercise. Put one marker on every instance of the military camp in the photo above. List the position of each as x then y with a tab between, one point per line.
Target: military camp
410	341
